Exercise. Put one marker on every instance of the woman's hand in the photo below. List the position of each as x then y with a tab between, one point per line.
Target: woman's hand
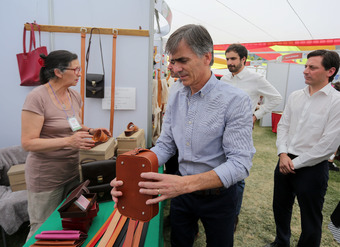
81	140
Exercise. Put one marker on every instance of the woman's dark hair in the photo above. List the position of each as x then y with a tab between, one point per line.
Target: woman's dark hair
329	59
59	59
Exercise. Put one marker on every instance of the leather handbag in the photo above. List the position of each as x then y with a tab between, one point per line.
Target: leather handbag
100	173
28	62
129	166
95	83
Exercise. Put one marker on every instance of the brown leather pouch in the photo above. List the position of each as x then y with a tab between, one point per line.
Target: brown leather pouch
129	166
70	210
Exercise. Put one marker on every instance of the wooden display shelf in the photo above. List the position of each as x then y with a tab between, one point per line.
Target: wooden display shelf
70	29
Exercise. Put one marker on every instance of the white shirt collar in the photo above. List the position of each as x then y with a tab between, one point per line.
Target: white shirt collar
326	89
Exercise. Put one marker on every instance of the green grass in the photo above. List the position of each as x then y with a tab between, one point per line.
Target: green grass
256	222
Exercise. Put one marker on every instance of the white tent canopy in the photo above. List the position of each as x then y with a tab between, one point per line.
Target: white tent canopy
247	21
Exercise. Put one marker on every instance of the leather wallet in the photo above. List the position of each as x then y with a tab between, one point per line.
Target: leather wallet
129	166
58	243
62	238
61	235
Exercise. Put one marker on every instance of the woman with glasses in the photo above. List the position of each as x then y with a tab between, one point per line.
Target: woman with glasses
53	133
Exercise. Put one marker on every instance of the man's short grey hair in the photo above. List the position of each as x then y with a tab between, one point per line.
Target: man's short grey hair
196	36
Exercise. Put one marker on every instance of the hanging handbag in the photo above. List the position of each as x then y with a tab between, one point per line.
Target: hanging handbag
95	84
28	62
100	173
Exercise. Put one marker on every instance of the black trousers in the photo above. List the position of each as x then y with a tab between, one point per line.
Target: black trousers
217	213
309	185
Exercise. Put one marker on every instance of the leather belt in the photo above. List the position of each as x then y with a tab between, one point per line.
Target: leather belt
210	192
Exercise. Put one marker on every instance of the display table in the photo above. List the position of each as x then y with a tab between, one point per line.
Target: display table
276	116
154	237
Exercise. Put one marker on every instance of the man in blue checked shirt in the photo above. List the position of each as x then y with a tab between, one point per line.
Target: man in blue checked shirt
210	123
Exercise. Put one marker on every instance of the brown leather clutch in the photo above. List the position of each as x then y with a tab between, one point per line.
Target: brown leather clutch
129	166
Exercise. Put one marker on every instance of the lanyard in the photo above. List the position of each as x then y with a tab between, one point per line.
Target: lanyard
61	104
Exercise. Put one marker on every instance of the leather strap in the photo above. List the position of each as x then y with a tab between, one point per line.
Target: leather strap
88	50
113	80
87	160
32	30
139	150
112	226
82	79
32	39
24	41
117	231
144	233
159	89
138	234
168	77
130	233
32	36
101	231
39	32
121	237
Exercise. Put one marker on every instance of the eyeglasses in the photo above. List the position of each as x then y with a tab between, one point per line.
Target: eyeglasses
76	70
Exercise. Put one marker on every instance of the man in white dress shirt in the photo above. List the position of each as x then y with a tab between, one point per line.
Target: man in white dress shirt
255	85
307	135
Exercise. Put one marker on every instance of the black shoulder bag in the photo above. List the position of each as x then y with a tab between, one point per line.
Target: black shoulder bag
94	82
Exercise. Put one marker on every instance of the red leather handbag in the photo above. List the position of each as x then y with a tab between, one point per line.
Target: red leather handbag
129	166
28	62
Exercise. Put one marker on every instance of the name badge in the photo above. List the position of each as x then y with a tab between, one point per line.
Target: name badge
74	124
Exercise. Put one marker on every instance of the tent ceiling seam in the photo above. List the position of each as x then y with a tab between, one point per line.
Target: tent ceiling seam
300	19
